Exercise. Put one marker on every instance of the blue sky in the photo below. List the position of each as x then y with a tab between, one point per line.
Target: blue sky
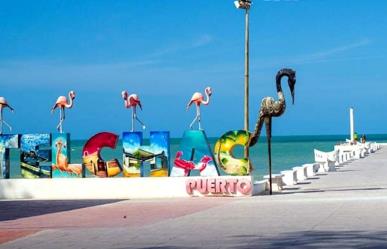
165	50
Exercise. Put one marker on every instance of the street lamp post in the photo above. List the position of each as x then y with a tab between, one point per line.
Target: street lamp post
246	4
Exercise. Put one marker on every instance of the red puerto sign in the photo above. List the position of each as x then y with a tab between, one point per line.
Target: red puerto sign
219	186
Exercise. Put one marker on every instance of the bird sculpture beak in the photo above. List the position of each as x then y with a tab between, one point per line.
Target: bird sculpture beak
139	104
292	84
293	97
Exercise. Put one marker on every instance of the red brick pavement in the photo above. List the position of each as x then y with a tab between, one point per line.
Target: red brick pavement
119	214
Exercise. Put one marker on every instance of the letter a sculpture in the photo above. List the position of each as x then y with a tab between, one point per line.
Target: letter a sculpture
273	108
61	103
4	104
131	101
198	99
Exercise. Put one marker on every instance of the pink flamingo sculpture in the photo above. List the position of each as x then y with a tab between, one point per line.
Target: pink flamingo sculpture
187	165
131	101
61	103
4	104
198	99
204	161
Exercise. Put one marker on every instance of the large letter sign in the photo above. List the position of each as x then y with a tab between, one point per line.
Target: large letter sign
92	159
6	142
61	167
194	154
224	153
136	154
35	155
219	186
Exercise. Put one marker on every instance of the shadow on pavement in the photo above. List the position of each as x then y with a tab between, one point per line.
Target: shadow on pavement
347	170
316	239
328	190
297	240
11	210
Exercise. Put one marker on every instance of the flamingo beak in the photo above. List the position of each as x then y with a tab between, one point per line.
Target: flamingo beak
139	104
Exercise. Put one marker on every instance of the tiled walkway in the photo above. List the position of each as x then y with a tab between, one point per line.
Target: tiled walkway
343	209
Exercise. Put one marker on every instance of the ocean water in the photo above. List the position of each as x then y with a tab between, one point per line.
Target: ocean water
287	152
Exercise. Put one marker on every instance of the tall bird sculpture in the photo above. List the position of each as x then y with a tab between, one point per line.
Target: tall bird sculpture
273	108
4	104
132	101
62	103
198	99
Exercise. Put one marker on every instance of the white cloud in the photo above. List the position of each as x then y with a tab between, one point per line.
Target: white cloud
331	54
202	41
337	50
280	0
197	42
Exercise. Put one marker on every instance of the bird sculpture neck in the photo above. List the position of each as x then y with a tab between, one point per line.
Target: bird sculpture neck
70	104
279	77
127	103
207	101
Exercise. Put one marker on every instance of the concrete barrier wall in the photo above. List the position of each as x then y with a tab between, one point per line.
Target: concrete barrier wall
102	188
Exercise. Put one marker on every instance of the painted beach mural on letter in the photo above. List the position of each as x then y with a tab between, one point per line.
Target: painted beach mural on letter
7	142
61	166
142	160
194	156
35	155
92	159
224	153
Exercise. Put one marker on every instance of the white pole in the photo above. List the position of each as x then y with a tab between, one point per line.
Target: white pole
351	123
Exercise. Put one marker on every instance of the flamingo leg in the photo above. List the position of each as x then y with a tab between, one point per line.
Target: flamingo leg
2	122
138	120
133	117
193	122
1	119
61	119
9	127
197	118
57	127
268	136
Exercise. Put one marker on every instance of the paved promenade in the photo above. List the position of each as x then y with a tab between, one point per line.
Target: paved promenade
343	209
